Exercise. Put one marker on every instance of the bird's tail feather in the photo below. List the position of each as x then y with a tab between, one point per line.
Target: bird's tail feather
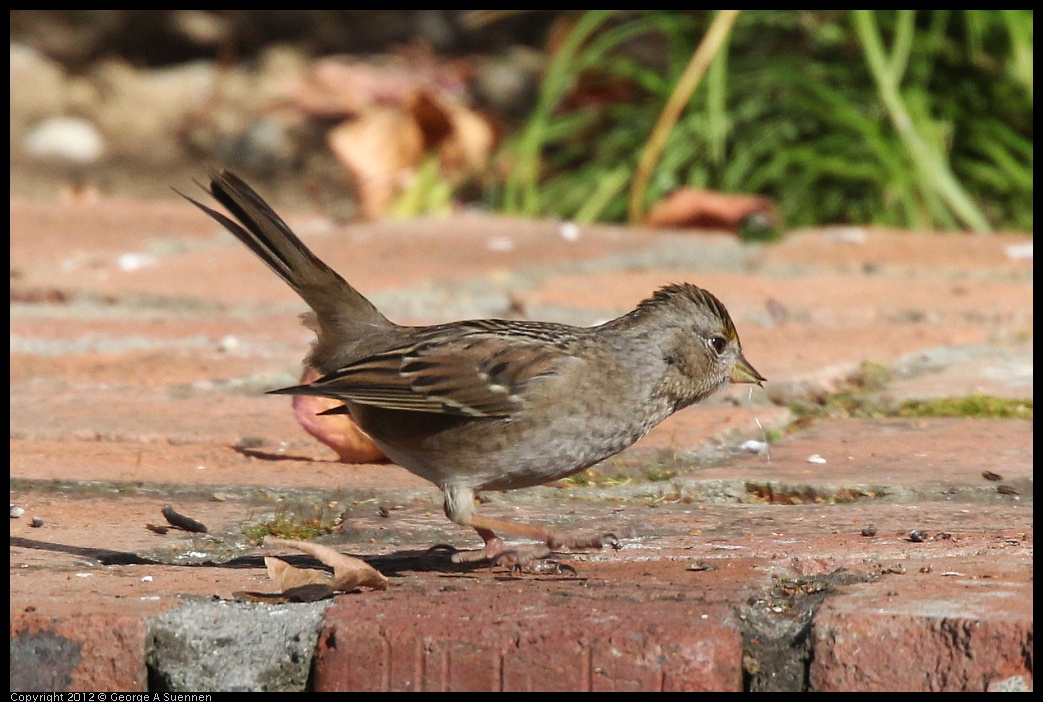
335	302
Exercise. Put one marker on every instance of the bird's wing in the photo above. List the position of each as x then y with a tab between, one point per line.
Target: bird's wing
476	374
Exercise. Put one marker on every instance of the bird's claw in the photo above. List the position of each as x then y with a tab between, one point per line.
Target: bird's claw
547	566
517	562
496	553
598	541
511	559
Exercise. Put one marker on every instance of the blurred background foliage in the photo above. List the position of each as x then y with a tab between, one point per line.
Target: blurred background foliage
905	118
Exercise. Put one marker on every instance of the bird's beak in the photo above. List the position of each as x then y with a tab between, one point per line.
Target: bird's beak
743	372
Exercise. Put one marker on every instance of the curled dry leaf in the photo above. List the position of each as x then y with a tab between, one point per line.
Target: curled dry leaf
468	145
380	150
338	431
287	576
383	148
348	572
707	209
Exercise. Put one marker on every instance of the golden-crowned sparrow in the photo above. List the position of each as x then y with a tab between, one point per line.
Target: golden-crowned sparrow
491	404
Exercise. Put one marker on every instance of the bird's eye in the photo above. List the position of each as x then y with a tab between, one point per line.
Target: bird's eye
718	344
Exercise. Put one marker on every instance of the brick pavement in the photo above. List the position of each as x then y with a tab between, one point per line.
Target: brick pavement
142	339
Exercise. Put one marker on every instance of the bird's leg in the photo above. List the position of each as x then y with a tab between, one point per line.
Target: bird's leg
459	507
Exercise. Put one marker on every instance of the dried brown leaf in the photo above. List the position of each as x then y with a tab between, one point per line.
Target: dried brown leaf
467	148
287	576
380	151
431	115
338	431
348	572
383	148
690	207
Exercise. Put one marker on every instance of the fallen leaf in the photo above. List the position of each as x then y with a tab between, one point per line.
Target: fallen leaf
708	209
384	147
348	572
379	151
338	431
466	148
287	576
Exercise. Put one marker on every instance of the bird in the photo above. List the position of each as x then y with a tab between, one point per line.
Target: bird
493	404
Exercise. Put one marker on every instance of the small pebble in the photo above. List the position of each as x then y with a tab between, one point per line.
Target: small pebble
500	244
917	536
568	231
227	344
69	139
1019	252
134	261
846	235
754	446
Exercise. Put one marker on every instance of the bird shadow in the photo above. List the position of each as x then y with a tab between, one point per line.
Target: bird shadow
271	456
392	565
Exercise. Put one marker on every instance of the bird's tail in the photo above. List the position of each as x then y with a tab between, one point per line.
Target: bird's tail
340	309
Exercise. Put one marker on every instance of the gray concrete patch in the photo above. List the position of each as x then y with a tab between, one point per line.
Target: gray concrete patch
233	647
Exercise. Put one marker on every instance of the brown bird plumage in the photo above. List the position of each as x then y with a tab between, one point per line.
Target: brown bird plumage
494	404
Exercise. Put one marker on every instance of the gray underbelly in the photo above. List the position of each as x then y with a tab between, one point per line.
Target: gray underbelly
494	454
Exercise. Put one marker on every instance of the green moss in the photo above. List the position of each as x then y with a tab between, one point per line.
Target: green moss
851	400
855	398
659	475
969	406
591	477
308	523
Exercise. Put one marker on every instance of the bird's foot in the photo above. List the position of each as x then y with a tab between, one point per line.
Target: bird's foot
519	563
499	553
579	541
